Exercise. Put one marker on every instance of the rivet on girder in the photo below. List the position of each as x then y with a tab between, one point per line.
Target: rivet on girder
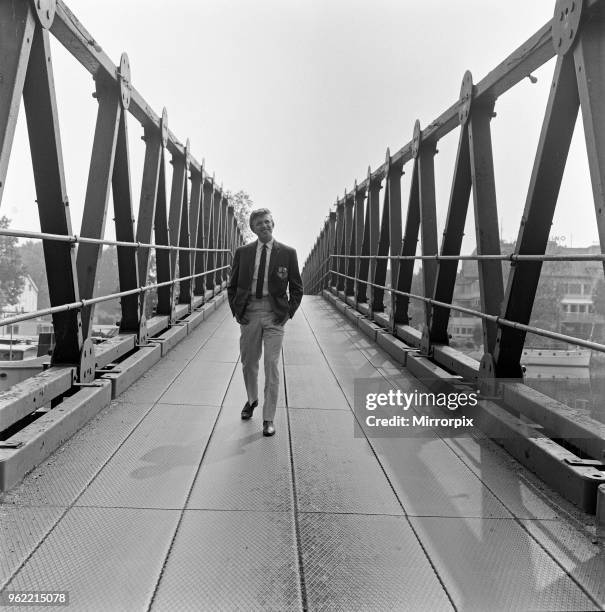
466	98
565	24
416	139
164	127
45	9
125	83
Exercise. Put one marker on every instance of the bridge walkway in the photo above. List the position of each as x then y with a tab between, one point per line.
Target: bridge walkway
168	501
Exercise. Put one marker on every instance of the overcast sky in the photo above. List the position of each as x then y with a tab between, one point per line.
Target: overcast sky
292	100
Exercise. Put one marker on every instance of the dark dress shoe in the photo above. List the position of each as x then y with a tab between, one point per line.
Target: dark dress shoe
248	410
268	429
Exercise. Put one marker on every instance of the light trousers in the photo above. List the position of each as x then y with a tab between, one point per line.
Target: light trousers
261	333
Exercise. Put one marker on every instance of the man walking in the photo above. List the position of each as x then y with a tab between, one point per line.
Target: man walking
261	274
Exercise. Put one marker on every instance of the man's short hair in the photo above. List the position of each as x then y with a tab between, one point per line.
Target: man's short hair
259	212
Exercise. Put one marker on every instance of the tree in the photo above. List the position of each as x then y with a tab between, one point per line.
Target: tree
32	256
242	206
11	268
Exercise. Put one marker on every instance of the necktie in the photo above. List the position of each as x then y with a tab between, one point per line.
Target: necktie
260	279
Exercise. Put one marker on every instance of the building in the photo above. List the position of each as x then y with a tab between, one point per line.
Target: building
27	302
564	302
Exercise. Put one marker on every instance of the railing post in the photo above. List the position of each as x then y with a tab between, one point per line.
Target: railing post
184	257
409	245
372	230
210	243
486	219
124	220
380	271
588	57
545	182
196	230
428	225
455	220
171	234
151	190
393	186
97	193
349	262
332	247
359	195
47	161
340	244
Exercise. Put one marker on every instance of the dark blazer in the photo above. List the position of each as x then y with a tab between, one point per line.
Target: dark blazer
284	278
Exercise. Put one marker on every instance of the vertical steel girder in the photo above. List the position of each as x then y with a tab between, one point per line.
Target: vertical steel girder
428	221
358	219
486	219
154	160
373	235
590	74
53	206
202	238
97	194
167	295
545	182
380	271
124	224
452	240
17	26
162	237
184	257
408	249
393	187
196	229
340	245
218	237
222	274
209	217
333	247
349	247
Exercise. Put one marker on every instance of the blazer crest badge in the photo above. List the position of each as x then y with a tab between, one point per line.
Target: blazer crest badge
282	272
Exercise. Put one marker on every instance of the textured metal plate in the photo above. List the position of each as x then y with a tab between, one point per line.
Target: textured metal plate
304	351
200	383
21	530
231	561
314	386
153	383
64	475
242	469
366	563
430	480
334	471
155	466
107	558
523	494
574	546
495	565
44	435
219	348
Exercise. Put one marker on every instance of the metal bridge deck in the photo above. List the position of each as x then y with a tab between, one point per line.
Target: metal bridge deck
168	501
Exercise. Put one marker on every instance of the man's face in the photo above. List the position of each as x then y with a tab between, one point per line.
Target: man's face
263	227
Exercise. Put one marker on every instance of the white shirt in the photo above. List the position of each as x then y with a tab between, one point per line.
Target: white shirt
259	250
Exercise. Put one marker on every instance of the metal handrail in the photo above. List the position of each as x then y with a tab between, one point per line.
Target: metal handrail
511	257
493	318
112	296
73	239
